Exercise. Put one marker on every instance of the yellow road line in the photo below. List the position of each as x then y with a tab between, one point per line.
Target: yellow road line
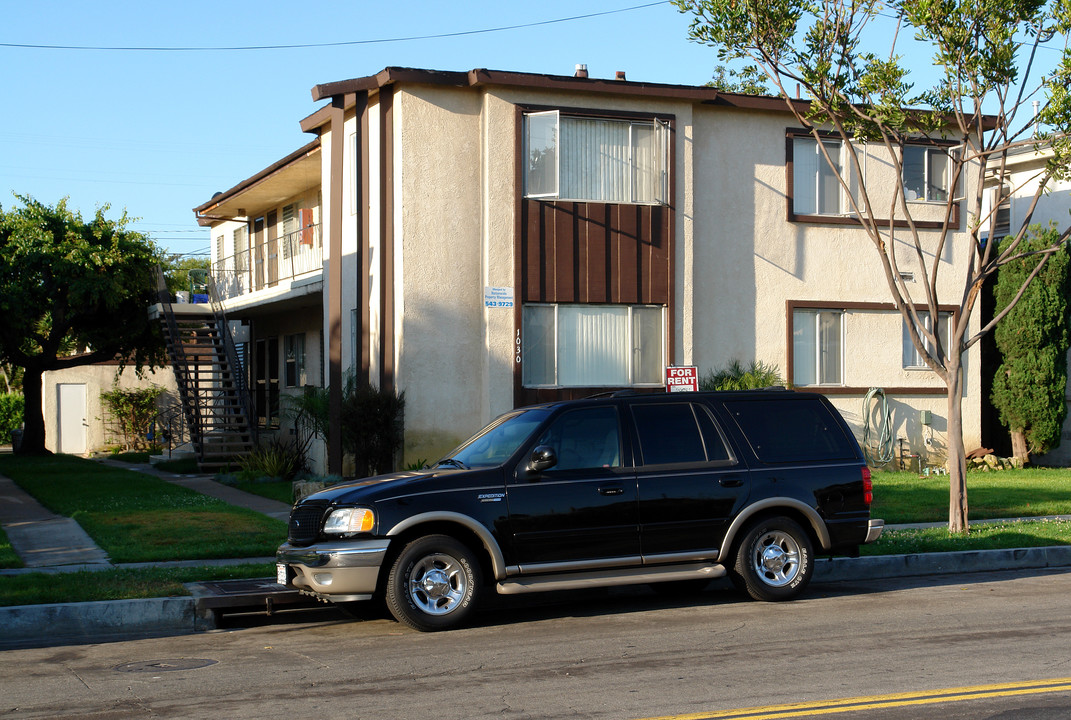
874	702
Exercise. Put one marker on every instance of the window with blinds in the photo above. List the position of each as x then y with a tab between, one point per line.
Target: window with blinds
596	159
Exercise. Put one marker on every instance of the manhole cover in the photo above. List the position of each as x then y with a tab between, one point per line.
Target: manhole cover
152	666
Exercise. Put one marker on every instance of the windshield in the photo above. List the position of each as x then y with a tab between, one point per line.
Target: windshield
497	442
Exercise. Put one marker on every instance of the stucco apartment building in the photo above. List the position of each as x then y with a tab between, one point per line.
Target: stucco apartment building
484	239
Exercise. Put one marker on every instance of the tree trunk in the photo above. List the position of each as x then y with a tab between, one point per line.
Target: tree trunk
957	456
33	434
1019	447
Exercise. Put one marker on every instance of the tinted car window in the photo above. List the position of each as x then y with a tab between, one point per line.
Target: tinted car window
585	438
499	440
791	431
670	433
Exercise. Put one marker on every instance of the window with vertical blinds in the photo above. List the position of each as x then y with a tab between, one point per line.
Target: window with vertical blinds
596	159
592	345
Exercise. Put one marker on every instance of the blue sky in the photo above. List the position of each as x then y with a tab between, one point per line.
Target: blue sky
157	132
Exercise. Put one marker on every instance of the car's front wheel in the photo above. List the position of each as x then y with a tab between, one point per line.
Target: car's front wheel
774	560
434	583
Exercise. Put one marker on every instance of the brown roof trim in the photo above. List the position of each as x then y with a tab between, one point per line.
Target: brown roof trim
483	76
498	78
301	152
318	119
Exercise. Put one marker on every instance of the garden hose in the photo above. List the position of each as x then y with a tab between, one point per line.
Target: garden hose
885	446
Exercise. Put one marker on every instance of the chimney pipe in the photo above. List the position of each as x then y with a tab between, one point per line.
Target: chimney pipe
581	71
620	74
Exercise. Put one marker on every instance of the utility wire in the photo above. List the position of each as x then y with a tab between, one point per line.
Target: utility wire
331	44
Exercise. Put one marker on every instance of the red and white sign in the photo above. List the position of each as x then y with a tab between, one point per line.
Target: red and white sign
682	379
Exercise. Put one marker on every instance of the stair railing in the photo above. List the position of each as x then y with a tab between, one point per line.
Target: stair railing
190	399
241	387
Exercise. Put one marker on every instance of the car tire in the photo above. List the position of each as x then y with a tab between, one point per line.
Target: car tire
434	583
775	560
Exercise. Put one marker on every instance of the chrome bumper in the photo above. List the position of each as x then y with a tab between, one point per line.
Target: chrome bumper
873	531
341	571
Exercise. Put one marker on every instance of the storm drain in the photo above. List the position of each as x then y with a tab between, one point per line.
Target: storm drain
152	666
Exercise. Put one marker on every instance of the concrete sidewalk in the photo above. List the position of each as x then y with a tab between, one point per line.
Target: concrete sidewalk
49	543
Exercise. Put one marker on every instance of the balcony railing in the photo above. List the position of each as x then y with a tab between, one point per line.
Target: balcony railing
266	265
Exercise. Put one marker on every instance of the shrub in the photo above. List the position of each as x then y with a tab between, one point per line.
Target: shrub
372	423
372	426
11	405
132	411
734	377
274	459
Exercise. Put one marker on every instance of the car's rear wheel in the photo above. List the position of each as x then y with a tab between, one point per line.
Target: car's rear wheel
774	560
434	583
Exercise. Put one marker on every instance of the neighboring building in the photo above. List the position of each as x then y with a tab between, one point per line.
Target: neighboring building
267	264
488	239
76	421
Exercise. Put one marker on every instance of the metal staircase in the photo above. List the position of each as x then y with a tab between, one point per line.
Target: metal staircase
216	402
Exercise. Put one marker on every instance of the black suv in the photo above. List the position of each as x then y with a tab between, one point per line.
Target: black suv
618	490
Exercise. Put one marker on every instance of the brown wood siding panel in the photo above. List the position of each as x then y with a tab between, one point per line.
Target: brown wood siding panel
660	258
595	249
564	242
595	252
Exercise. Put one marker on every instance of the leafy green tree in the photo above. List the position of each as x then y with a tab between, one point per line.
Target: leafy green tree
184	273
983	53
1030	385
72	293
748	80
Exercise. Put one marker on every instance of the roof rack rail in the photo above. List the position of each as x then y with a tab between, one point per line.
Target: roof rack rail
611	394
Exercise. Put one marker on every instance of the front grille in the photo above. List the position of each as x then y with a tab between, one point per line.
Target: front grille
305	521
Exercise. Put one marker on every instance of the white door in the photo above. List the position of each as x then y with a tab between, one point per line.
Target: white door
72	418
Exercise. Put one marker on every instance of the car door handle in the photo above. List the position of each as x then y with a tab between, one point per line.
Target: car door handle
612	490
731	482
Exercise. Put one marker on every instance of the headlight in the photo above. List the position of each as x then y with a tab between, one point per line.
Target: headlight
350	520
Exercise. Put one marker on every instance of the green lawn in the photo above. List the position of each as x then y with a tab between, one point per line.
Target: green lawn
136	517
906	498
281	490
8	558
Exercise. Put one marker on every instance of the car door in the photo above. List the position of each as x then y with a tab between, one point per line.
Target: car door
690	484
581	511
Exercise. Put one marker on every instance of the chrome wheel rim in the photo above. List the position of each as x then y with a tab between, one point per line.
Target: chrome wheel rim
776	558
437	584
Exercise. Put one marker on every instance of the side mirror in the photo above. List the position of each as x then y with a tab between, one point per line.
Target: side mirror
542	458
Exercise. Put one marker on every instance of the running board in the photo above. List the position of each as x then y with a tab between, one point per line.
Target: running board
606	578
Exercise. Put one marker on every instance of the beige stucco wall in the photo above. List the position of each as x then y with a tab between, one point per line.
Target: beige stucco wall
97	379
439	267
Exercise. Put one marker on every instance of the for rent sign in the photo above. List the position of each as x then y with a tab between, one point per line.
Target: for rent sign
682	379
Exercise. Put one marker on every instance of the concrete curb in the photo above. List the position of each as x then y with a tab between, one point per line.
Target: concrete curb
945	563
86	622
82	622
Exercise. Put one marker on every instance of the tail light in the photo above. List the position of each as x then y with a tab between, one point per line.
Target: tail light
868	486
